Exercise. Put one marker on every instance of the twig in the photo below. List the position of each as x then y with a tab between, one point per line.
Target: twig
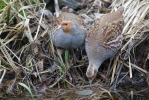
136	67
56	82
37	70
46	54
23	71
57	10
2	76
69	83
39	24
133	65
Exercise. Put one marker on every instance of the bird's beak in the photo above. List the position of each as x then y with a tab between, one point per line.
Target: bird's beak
59	26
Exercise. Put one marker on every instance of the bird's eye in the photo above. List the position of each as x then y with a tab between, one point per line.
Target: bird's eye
66	24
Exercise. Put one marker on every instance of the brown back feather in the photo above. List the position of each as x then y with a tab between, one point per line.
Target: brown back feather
106	28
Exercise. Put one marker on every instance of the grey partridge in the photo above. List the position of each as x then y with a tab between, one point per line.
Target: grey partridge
104	40
69	33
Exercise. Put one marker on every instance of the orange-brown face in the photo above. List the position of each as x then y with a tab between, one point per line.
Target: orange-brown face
67	26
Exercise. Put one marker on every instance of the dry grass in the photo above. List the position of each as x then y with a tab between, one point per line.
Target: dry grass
27	53
135	30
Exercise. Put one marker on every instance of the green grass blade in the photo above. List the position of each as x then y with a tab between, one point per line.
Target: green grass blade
62	69
66	57
27	88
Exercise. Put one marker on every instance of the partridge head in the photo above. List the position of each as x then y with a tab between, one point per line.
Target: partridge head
69	32
104	40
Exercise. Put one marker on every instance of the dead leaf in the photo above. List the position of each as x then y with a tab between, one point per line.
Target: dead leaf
85	92
40	65
36	47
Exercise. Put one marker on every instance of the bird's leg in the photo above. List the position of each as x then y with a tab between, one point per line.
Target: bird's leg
59	52
108	71
74	56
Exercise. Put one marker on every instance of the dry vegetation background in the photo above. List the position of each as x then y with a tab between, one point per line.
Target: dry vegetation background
27	54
